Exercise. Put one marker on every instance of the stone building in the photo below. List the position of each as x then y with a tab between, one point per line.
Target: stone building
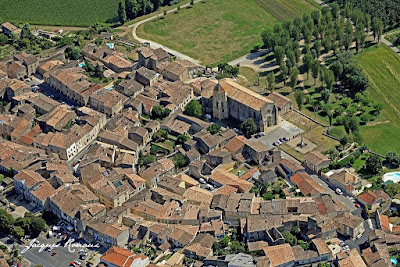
233	100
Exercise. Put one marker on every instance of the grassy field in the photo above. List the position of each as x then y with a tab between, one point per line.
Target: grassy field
382	66
67	12
220	30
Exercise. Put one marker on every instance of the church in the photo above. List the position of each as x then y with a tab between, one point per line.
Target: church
231	100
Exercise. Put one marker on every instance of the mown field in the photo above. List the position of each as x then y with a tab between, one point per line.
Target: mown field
221	30
382	66
65	12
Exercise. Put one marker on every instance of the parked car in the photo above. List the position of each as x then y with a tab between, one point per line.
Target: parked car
54	253
78	263
285	138
359	236
201	180
357	205
338	191
72	264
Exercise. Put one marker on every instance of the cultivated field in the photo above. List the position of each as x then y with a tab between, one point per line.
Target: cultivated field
382	66
66	12
220	30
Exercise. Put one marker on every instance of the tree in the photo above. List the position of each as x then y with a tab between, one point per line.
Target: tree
289	238
180	161
214	128
325	94
393	158
192	2
329	113
317	47
377	28
293	77
360	39
160	136
6	221
194	109
315	70
159	112
3	39
98	71
315	105
121	13
14	254
269	39
72	53
249	127
344	140
307	61
350	124
237	247
335	9
337	68
18	232
279	53
373	165
329	79
365	118
131	8
157	4
268	196
284	71
26	32
181	139
299	97
38	225
270	81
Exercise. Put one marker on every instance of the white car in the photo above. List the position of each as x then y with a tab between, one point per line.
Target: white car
201	180
359	236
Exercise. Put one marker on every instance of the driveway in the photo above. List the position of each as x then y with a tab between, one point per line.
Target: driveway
284	129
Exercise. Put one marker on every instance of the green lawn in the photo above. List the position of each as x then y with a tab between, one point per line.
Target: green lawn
66	12
216	31
382	66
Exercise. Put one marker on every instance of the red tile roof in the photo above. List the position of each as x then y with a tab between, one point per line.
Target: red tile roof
120	256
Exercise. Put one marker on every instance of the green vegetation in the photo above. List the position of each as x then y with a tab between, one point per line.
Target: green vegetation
249	127
29	224
159	112
229	244
214	128
218	30
68	12
194	109
180	161
382	136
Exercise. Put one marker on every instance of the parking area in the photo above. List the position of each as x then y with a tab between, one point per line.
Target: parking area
43	88
284	130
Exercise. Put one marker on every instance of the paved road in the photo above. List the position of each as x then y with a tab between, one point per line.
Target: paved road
62	258
390	45
156	45
339	198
